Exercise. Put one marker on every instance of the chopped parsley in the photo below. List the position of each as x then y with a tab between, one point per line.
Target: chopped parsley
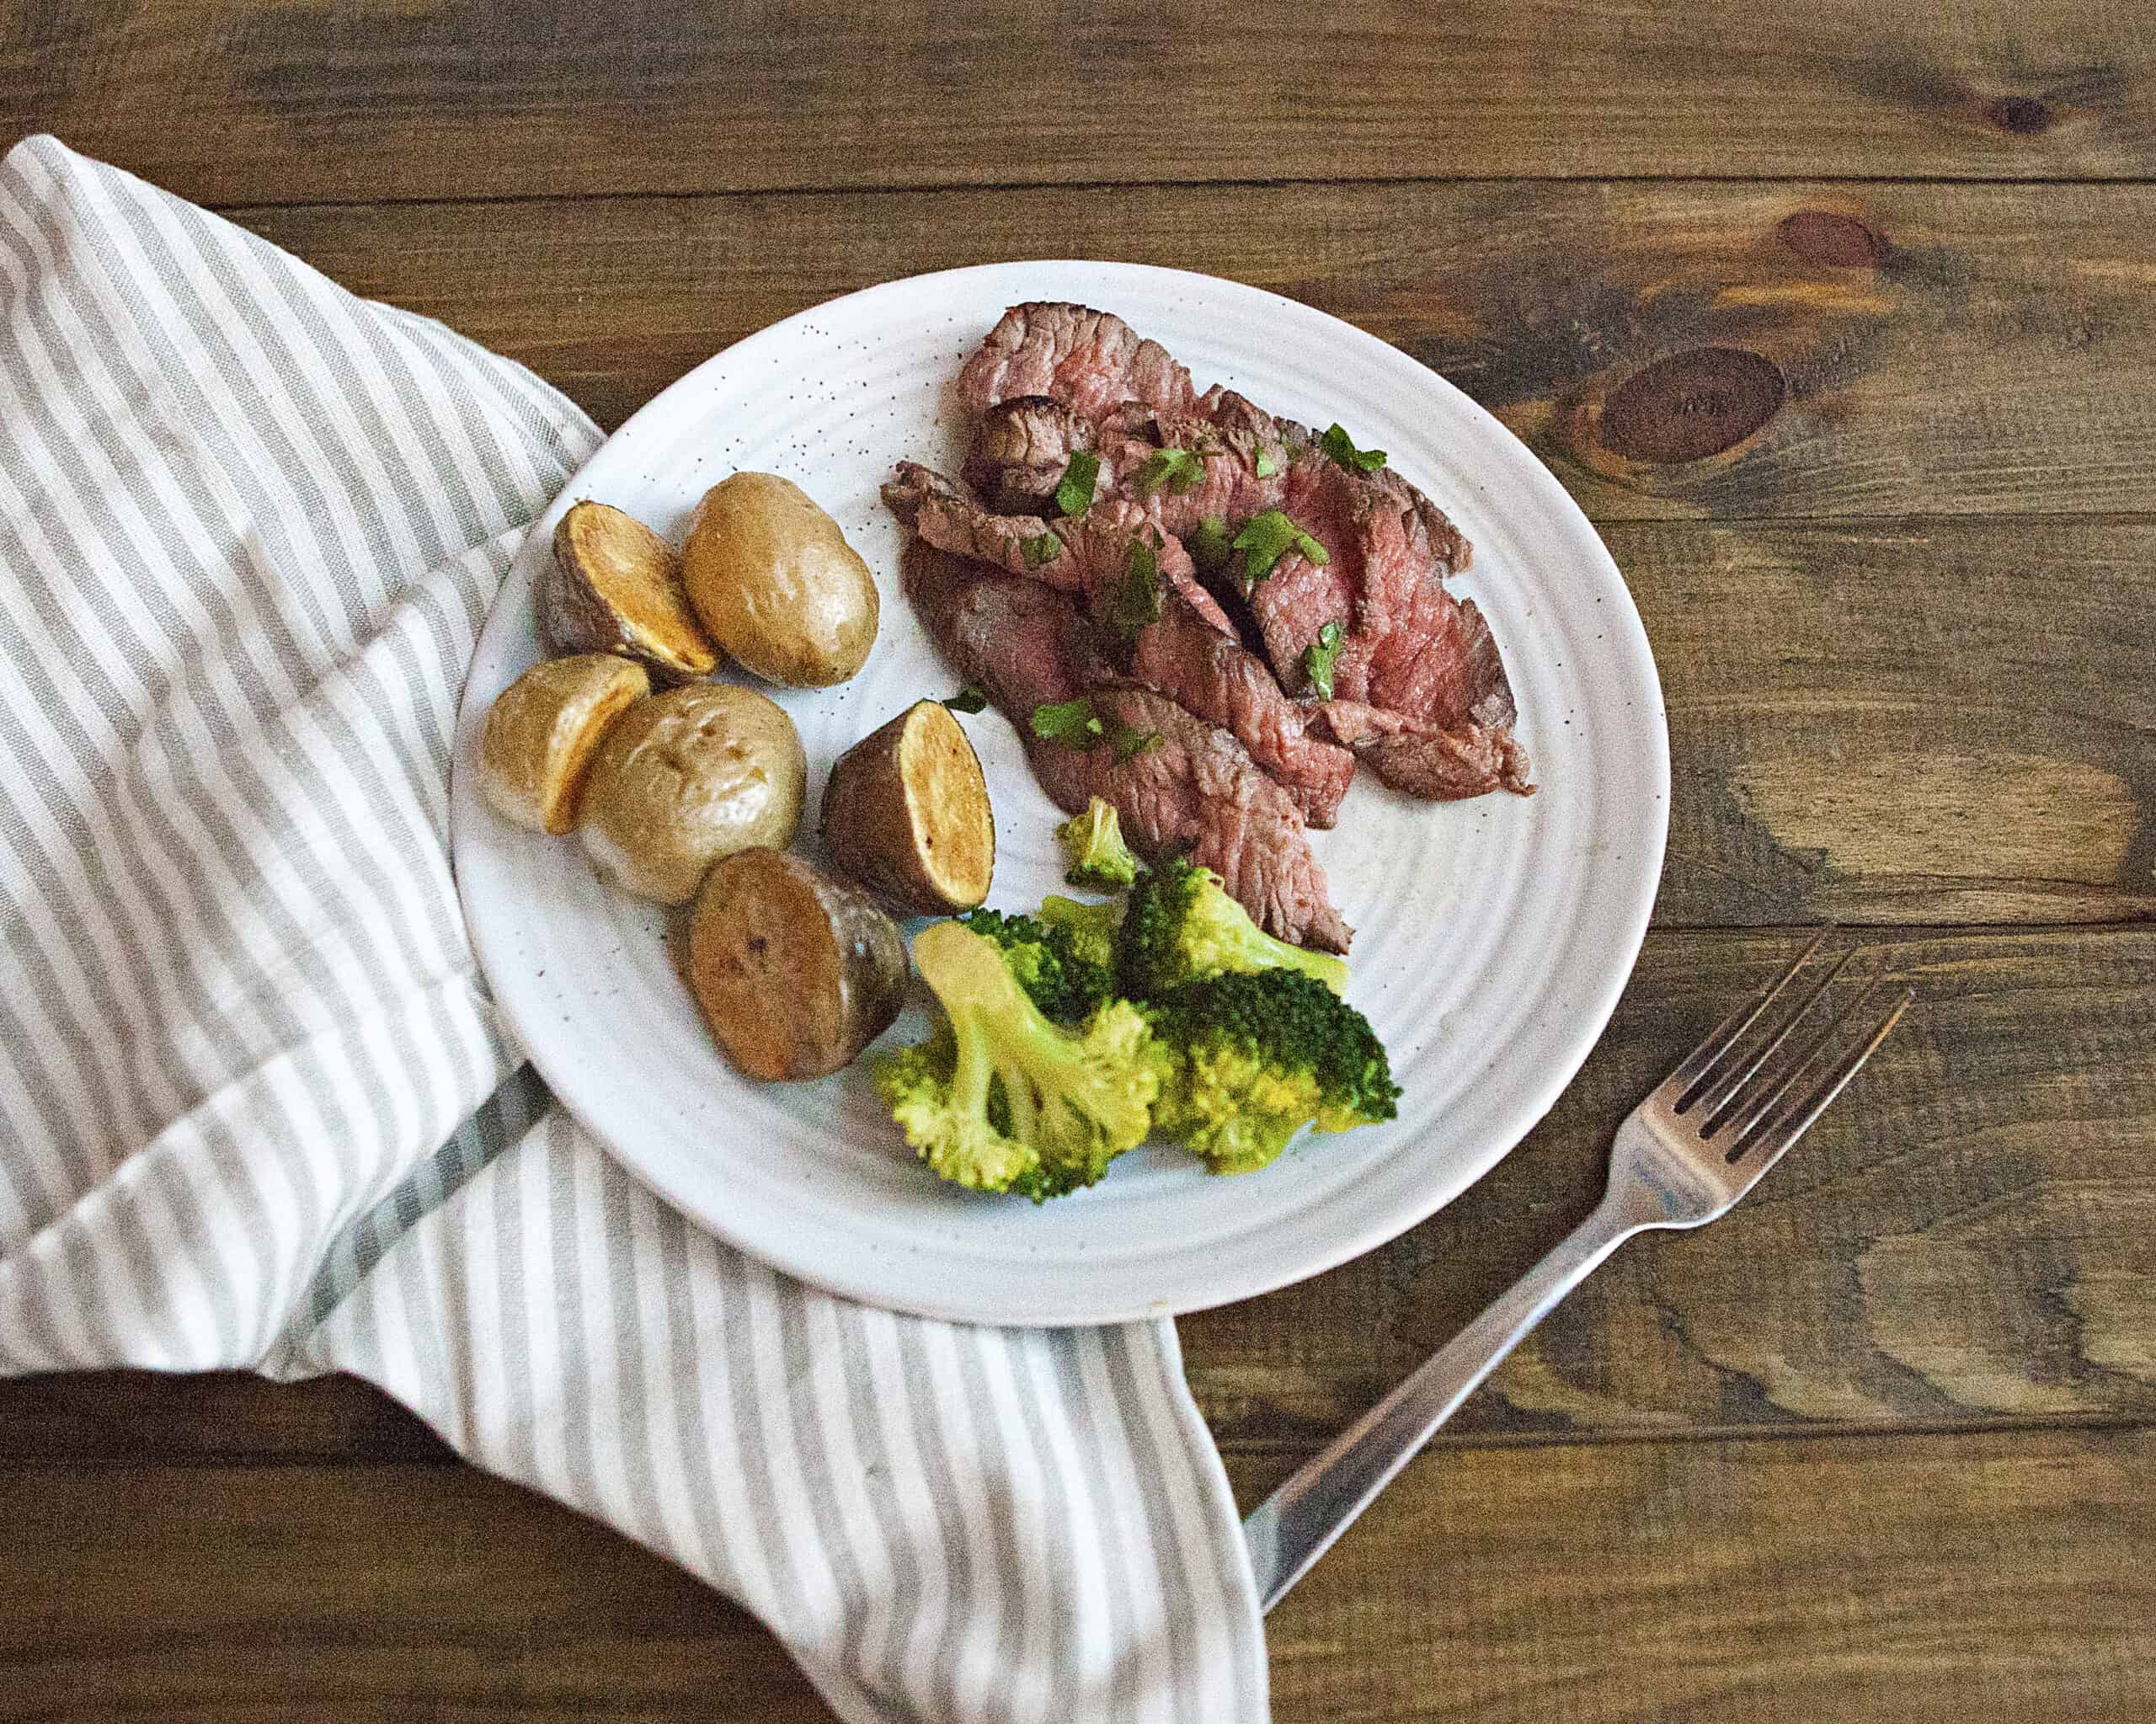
1136	600
1337	443
1267	465
1319	657
1043	547
1129	742
1178	469
1074	723
1266	538
1208	544
1075	495
967	699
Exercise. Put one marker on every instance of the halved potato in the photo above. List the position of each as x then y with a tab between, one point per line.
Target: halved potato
772	577
794	971
906	813
616	587
543	731
686	777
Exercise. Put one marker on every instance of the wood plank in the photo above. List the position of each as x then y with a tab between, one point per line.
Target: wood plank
1968	1236
1672	350
228	102
1907	1579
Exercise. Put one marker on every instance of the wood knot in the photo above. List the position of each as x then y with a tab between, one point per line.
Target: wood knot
1835	242
2025	116
1692	404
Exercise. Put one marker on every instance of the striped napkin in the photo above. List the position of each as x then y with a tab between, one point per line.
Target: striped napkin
256	1109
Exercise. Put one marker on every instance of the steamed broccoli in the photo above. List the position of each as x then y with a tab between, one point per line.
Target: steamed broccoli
1001	1099
1247	1058
1182	926
1093	841
1067	975
1089	929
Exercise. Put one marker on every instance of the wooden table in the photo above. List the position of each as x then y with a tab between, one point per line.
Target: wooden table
1840	320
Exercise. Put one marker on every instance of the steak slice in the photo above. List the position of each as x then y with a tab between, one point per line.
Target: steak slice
1184	655
1092	361
1197	794
1020	451
1423	760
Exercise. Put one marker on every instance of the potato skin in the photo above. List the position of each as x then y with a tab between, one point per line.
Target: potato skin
543	731
686	777
774	582
906	813
615	586
794	970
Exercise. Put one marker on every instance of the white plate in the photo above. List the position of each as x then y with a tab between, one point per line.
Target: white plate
1492	937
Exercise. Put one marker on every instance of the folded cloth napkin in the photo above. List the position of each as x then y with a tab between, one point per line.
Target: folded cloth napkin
258	1108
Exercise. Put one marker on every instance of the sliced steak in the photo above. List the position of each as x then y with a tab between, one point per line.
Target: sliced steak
1193	659
1423	760
1090	361
1197	794
1020	452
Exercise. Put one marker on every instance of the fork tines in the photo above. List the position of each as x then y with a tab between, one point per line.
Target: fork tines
1772	1085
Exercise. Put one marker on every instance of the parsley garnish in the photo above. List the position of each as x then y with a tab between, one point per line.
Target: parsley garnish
1337	443
1136	601
967	699
1319	657
1266	538
1267	465
1045	547
1075	495
1129	743
1208	544
1074	723
1178	469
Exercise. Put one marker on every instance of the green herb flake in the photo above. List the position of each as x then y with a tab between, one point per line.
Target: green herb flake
1319	657
1207	543
1129	742
1136	600
967	699
1337	443
1075	495
1266	538
1267	465
1043	547
1178	469
1074	723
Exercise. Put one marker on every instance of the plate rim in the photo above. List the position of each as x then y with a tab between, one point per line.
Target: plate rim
1378	1228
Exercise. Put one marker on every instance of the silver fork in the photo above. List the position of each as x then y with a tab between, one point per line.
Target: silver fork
1681	1158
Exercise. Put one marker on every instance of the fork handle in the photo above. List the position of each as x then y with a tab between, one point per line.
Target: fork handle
1298	1522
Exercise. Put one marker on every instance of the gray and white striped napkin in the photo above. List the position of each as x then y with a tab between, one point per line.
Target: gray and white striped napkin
256	1108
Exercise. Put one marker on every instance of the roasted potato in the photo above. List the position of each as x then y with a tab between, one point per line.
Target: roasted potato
906	813
616	587
795	972
542	730
774	580
686	777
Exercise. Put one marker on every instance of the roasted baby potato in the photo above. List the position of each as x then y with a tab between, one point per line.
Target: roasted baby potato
686	777
774	580
906	813
543	731
795	972
616	587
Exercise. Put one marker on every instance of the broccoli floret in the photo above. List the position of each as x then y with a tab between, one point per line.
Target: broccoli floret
1066	976
1004	1099
1182	925
1089	928
1093	841
1247	1059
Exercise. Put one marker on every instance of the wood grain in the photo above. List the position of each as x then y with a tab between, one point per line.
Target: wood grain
2002	1575
1873	350
228	102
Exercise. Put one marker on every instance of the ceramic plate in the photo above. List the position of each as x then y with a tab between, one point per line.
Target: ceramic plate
1492	935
